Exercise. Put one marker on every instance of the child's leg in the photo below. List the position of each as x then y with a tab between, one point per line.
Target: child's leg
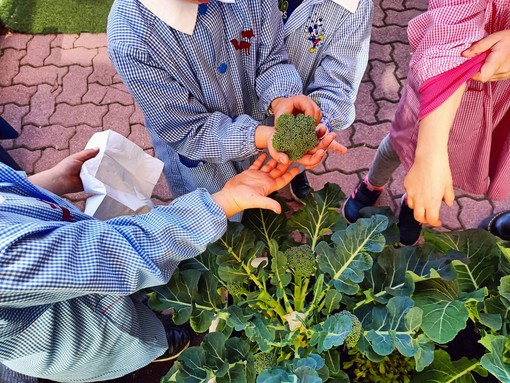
384	164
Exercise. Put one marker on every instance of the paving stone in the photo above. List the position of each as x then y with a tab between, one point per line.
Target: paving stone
346	182
114	95
64	41
501	205
401	55
400	17
104	71
389	34
9	62
418	4
116	78
74	85
42	106
95	94
91	40
38	49
16	41
381	52
366	107
49	74
40	137
17	94
386	85
82	136
393	4
140	136
162	191
449	216
137	116
25	158
73	115
344	136
386	110
14	114
74	56
117	119
356	159
473	212
320	169
370	135
49	158
379	15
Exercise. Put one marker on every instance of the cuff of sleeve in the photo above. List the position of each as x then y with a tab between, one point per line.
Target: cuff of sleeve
285	90
325	121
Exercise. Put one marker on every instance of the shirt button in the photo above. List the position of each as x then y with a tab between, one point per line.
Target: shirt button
222	68
202	9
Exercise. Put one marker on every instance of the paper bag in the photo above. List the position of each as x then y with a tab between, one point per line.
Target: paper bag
120	178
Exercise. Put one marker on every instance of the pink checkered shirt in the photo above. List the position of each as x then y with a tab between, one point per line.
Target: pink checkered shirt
479	141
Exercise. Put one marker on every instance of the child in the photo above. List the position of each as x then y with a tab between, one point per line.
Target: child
205	75
328	42
449	130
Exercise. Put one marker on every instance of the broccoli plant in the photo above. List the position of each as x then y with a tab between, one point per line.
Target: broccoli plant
295	135
290	297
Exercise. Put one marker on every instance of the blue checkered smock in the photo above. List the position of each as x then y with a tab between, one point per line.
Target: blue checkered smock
66	312
329	47
203	95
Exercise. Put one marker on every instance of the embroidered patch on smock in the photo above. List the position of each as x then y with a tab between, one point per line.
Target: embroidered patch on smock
244	43
314	31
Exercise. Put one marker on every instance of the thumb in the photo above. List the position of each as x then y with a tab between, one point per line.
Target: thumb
85	155
267	203
481	46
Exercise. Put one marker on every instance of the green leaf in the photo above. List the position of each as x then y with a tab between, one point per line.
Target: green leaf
346	261
331	302
189	367
444	313
494	361
237	350
332	332
332	360
266	224
425	352
320	216
393	326
214	347
237	318
280	277
481	249
444	370
259	332
277	375
504	290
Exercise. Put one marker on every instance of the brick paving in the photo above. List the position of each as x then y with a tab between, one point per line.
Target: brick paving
58	90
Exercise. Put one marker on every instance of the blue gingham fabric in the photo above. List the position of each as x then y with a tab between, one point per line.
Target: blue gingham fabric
203	94
329	47
67	312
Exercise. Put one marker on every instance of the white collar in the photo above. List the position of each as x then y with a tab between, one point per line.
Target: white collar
350	5
178	14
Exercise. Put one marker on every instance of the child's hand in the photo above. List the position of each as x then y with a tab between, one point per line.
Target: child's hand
64	177
427	184
249	189
497	64
295	105
326	142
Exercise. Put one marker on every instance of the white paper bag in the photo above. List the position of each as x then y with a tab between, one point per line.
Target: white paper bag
120	178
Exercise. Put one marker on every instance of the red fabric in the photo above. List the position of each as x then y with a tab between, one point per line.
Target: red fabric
436	90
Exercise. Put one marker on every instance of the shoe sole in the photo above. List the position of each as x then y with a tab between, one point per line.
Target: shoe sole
159	360
295	197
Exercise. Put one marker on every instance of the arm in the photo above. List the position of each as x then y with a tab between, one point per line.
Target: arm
48	261
338	76
429	180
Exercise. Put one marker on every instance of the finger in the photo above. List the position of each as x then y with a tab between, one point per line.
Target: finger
284	179
258	162
449	195
85	155
279	156
419	213
267	203
321	131
278	170
432	215
269	165
489	68
337	148
481	46
311	161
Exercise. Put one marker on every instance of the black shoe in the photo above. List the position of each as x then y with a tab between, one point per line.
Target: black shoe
361	197
498	224
410	229
300	187
178	339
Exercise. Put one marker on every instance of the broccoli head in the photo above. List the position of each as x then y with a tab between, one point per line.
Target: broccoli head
301	260
263	361
353	338
295	135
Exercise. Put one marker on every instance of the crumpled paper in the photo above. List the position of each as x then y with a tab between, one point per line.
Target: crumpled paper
120	178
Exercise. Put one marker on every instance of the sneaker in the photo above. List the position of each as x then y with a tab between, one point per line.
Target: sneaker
498	224
410	229
178	339
361	197
300	187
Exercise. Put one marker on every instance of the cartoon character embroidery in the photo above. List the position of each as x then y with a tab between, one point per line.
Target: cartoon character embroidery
314	29
283	5
243	45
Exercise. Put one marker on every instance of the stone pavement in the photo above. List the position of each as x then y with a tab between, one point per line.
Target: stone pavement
57	90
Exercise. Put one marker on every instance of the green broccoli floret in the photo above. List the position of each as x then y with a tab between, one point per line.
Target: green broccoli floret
352	339
301	260
295	135
263	361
